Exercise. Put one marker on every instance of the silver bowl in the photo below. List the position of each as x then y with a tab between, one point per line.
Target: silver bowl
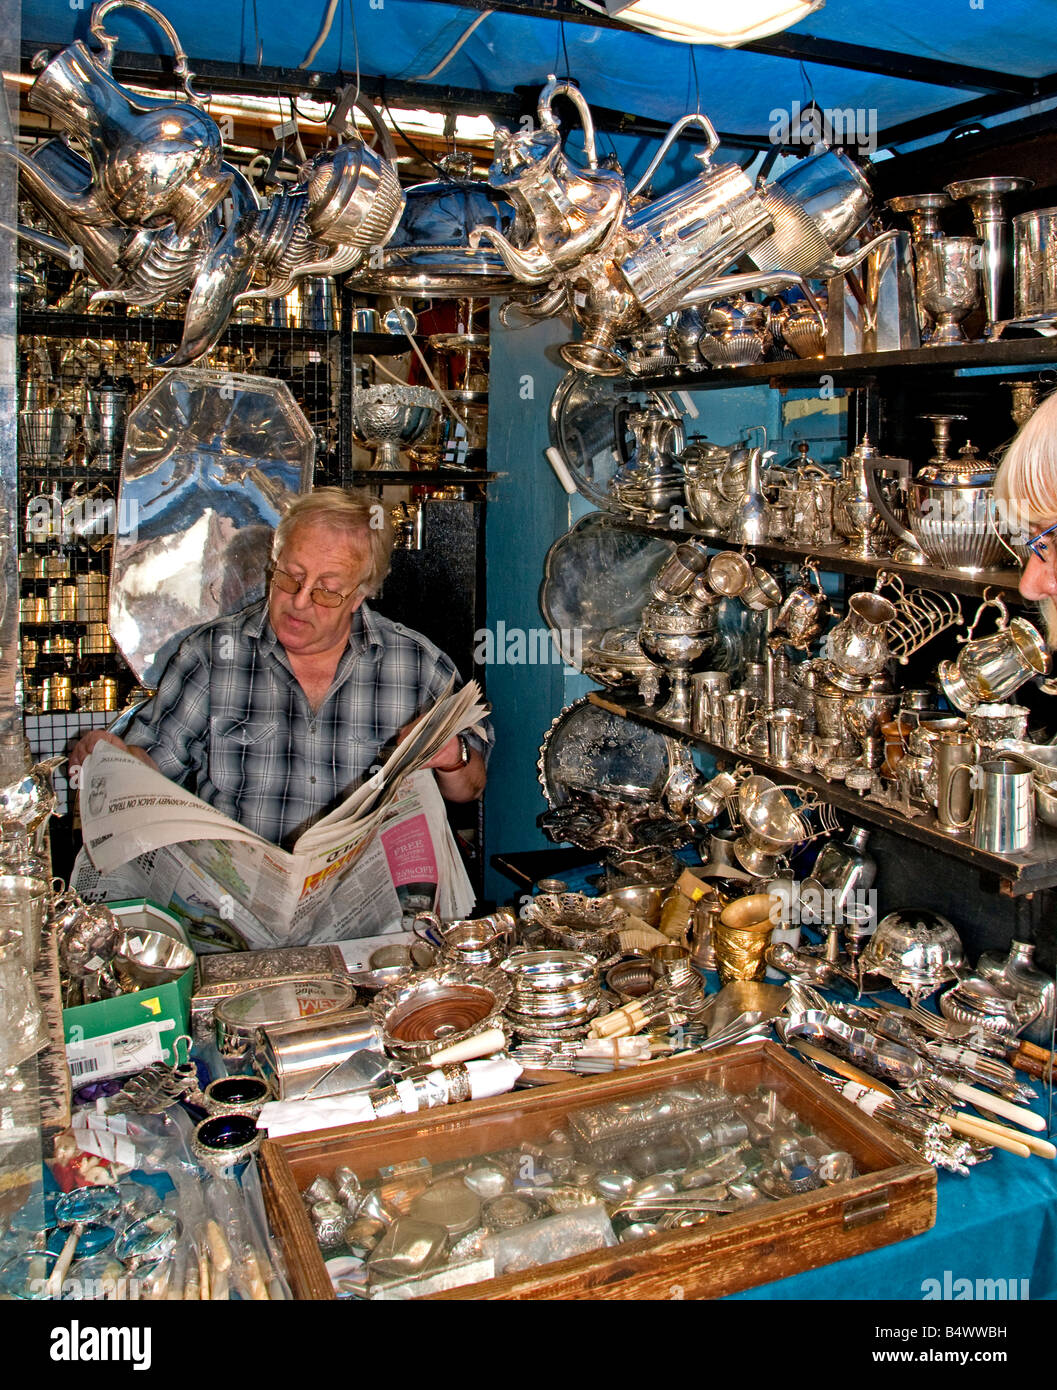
918	951
146	958
389	417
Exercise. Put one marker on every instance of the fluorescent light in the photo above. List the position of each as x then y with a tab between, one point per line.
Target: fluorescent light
719	22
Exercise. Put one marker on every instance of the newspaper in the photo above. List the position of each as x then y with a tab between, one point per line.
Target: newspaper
350	874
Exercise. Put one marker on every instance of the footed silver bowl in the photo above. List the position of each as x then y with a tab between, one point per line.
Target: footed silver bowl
389	417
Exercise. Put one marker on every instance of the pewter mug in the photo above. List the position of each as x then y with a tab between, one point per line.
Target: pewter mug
708	688
953	753
1003	808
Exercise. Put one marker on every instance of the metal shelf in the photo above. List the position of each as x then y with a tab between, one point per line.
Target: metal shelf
830	558
1014	353
1017	874
44	324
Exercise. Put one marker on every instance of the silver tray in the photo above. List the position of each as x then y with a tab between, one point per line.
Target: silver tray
587	750
596	578
583	428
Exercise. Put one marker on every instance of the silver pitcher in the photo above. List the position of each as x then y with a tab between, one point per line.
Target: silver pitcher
154	160
854	514
857	644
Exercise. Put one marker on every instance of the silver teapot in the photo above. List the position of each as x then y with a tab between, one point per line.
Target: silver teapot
562	212
950	509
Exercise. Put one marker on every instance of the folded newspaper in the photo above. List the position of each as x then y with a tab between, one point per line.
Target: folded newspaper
348	875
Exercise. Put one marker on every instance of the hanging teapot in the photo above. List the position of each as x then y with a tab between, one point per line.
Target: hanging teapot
563	212
155	161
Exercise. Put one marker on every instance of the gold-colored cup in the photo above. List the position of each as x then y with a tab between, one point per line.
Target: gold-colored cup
741	937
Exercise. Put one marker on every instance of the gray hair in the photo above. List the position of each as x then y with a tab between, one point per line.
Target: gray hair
349	510
1027	480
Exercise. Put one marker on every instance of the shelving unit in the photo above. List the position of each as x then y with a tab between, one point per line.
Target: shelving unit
1017	874
1011	354
831	558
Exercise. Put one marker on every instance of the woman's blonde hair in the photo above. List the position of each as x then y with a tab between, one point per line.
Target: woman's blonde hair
1026	485
350	511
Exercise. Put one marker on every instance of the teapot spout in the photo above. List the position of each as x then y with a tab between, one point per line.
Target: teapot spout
531	267
840	265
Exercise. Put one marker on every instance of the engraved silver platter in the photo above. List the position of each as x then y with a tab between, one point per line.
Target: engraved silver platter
588	428
589	750
596	578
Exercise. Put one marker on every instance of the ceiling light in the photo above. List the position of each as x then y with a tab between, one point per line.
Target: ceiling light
708	21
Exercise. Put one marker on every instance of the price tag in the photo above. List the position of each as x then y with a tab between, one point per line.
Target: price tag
118	1054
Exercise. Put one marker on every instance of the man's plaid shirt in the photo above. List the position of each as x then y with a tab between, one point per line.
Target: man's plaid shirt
231	723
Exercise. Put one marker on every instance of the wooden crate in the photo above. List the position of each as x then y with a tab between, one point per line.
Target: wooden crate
894	1198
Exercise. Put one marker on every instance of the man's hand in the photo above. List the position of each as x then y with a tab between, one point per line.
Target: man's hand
462	781
84	746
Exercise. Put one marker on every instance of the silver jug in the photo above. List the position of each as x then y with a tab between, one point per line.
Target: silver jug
989	669
857	644
748	525
854	513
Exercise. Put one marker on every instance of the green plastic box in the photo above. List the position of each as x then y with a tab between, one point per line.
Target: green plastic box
115	1037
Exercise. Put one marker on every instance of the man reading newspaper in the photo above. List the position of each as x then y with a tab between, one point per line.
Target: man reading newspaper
276	715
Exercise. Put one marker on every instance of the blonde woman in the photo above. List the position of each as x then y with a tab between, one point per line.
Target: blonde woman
1026	490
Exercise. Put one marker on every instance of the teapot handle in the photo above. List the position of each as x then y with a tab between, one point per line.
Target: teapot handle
109	43
901	467
553	89
694	118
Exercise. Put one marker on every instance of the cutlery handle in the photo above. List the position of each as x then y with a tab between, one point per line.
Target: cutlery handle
1042	1147
976	1129
1017	1113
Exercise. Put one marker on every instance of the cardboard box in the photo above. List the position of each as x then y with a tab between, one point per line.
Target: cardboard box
893	1197
115	1037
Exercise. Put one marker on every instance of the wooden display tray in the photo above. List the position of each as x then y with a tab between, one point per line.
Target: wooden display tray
895	1197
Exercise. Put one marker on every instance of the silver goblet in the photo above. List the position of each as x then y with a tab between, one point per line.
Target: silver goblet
950	283
389	417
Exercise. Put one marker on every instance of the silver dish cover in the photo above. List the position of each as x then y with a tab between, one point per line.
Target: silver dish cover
210	459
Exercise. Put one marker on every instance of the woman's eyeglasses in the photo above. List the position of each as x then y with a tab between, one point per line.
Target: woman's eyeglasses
1037	545
325	598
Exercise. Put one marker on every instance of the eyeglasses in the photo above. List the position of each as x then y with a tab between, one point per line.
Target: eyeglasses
325	598
1040	551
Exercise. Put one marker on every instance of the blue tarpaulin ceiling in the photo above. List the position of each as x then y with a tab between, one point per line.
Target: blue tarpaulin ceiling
618	69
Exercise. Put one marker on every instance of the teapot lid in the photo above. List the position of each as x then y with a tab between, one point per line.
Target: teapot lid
967	470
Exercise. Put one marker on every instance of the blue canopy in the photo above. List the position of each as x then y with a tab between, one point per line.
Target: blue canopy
630	72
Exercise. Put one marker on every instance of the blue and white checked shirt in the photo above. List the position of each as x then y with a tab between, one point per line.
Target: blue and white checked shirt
231	723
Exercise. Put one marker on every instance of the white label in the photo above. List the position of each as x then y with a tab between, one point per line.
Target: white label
579	299
102	1123
280	132
106	1145
117	1054
408	1096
